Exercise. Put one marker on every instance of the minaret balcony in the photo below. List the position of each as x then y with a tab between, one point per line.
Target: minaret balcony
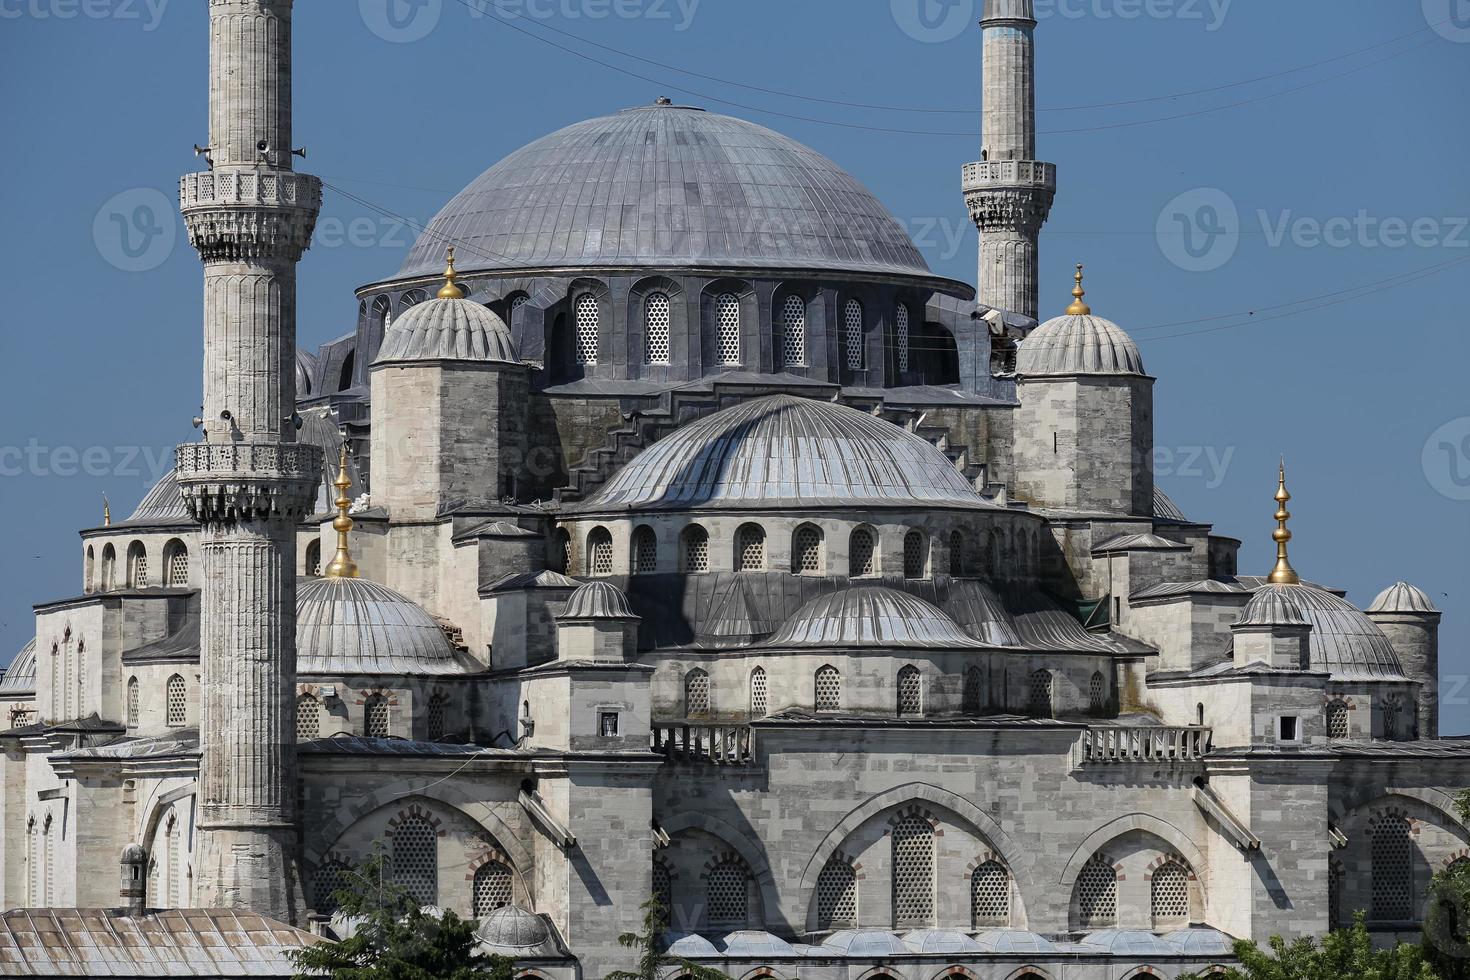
240	481
1006	174
233	215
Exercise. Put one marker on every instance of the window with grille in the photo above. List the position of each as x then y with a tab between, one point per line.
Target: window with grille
910	692
1392	875
750	549
375	717
696	549
972	699
663	890
913	872
109	569
175	703
133	698
1169	894
33	856
434	717
1097	894
331	878
48	842
990	895
137	567
829	688
853	334
1337	719
415	858
585	310
176	567
1041	706
793	332
314	559
1391	718
599	552
759	693
516	304
175	869
696	694
562	551
1334	894
492	888
727	329
861	554
915	555
1097	694
956	554
901	336
412	298
837	896
657	319
806	551
726	895
645	551
308	718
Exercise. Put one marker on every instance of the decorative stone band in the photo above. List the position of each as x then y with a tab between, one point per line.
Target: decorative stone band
250	215
988	175
248	481
1020	210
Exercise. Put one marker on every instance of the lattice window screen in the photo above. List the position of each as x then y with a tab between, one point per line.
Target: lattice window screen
750	549
176	573
1097	694
913	872
1169	891
375	717
837	896
696	550
915	555
853	323
1041	683
599	553
972	700
901	336
492	888
727	329
759	693
829	689
331	878
990	895
1392	854
645	551
133	697
587	324
434	718
793	332
910	692
696	694
726	897
806	551
175	704
861	557
663	890
415	859
308	718
1334	894
1391	718
175	864
314	559
138	573
956	554
657	318
1337	720
1097	894
48	841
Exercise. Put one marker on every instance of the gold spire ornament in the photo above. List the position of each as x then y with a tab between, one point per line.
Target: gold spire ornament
451	288
1078	307
342	565
1283	573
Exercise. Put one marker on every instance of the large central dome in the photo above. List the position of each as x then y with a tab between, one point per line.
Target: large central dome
667	187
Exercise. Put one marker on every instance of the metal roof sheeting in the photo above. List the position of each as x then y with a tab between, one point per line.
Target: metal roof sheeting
1402	597
20	676
1071	345
871	616
353	626
1344	641
448	330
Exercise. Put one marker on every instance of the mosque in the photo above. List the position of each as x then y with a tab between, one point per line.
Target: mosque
666	528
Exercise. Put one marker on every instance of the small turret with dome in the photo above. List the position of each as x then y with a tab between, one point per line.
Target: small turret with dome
1078	343
449	327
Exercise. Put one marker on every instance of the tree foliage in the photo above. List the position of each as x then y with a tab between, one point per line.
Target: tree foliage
1343	954
1447	922
651	962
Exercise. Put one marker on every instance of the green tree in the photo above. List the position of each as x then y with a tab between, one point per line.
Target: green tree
395	939
1344	954
651	962
1447	922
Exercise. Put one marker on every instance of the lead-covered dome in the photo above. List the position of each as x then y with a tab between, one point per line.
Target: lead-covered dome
353	626
1401	597
667	186
20	676
1343	642
871	616
1078	344
783	451
448	330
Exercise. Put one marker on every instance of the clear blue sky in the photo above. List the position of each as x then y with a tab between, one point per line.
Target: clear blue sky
100	348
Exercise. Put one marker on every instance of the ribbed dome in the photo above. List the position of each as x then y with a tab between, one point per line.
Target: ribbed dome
351	625
20	676
163	504
1344	642
667	186
1401	597
871	616
782	451
448	330
1078	345
513	928
598	600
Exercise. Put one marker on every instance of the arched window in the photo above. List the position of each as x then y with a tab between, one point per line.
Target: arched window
175	565
837	896
176	711
792	342
599	552
645	551
587	316
308	718
34	897
1041	701
994	556
413	298
349	370
990	896
973	699
901	336
133	697
109	568
314	558
493	888
561	551
806	550
1097	694
415	858
383	312
696	549
910	692
727	894
1097	894
330	878
663	890
1169	892
862	557
727	329
750	548
137	566
1391	706
657	319
915	554
828	684
1334	894
696	694
956	554
375	716
87	578
48	861
759	693
1337	719
175	862
913	873
852	321
435	720
1392	872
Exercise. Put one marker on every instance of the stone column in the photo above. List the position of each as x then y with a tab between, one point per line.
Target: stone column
249	483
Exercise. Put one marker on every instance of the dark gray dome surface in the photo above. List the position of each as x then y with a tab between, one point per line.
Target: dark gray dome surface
672	187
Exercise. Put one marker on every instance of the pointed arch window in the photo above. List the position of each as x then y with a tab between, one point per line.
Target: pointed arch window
436	717
1041	694
759	693
956	554
806	550
109	568
657	321
750	548
663	890
727	329
972	699
176	565
587	315
862	554
174	845
1392	872
696	549
696	694
837	896
1169	895
645	551
1097	695
915	554
314	559
308	718
1097	894
901	336
853	335
331	878
375	716
727	892
828	683
137	566
793	332
493	888
913	873
599	552
133	702
910	692
1337	719
990	896
175	701
415	858
87	582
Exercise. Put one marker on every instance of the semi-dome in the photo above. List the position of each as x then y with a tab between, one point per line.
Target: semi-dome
788	452
668	186
353	626
598	600
871	616
1343	642
513	928
161	505
448	330
20	676
1401	597
1072	344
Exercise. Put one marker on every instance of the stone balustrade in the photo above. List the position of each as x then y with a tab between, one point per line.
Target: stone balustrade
720	745
237	481
280	188
1010	173
1145	744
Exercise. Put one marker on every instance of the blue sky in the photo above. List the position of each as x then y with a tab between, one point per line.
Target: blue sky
1315	176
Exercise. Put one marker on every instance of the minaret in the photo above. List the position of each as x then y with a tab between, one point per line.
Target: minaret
249	483
1009	193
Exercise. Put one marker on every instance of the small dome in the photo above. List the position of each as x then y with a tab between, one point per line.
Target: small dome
753	944
1201	941
871	616
1344	642
1273	605
20	676
163	504
512	928
938	941
134	854
1130	943
864	943
353	626
1075	344
598	600
1402	597
448	330
1015	941
689	946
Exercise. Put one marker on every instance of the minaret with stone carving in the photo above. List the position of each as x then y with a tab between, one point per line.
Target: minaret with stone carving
249	483
1009	193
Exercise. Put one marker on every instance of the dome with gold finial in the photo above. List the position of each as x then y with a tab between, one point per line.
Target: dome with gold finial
448	328
1078	343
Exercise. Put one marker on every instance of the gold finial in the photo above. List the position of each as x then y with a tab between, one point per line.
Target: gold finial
106	512
1283	573
342	565
451	289
1079	308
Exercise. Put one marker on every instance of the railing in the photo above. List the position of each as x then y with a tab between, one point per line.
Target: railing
1149	744
281	188
293	460
720	745
978	176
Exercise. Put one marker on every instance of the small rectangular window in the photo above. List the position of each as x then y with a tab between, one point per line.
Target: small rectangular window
1288	729
607	724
